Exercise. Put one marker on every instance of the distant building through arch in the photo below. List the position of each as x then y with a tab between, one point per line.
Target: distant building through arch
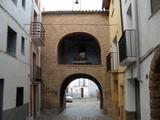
71	78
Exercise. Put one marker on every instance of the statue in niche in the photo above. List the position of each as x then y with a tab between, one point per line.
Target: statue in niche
81	58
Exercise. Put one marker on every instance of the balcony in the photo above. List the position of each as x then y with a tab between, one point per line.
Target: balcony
37	33
127	48
112	62
36	73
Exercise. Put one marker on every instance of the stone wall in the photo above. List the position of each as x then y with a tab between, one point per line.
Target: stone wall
155	86
53	74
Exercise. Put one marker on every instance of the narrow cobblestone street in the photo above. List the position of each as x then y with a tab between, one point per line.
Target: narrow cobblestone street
84	109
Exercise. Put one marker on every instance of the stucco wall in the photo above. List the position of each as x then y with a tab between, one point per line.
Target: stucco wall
14	70
149	27
17	10
148	40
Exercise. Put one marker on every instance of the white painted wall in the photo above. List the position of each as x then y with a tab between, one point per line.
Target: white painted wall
145	93
6	21
131	72
149	38
15	74
37	9
129	23
92	89
21	15
89	90
130	95
15	70
149	26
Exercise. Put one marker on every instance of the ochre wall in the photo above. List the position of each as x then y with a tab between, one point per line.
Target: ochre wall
115	31
53	74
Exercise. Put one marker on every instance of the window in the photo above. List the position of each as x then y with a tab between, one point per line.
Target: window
19	99
15	2
35	17
11	42
155	5
23	45
23	3
115	54
112	2
129	11
129	21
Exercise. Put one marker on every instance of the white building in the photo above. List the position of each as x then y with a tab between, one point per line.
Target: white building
137	46
16	17
82	88
14	58
37	41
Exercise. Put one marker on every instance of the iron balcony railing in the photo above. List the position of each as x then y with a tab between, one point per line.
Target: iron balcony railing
112	62
127	48
36	73
37	33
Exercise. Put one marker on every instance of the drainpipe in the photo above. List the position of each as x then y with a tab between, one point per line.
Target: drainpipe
137	41
138	52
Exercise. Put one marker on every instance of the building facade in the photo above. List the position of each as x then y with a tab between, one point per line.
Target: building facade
75	47
114	69
21	38
37	33
113	66
82	88
138	44
14	59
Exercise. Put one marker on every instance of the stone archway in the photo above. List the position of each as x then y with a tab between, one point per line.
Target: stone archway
155	86
72	77
60	27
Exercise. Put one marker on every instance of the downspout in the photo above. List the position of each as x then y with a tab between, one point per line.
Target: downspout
137	42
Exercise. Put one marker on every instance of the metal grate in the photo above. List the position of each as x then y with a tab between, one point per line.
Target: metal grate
36	73
37	31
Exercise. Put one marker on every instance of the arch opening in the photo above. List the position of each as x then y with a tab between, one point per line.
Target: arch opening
79	48
73	77
154	84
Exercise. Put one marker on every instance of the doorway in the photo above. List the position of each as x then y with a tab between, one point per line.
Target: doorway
35	99
137	97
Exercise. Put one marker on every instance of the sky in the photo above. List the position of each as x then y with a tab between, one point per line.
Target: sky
55	5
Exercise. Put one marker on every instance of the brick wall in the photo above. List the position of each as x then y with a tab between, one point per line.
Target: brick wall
155	86
53	74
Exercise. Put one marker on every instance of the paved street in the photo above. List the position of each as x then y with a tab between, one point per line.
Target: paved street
78	110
